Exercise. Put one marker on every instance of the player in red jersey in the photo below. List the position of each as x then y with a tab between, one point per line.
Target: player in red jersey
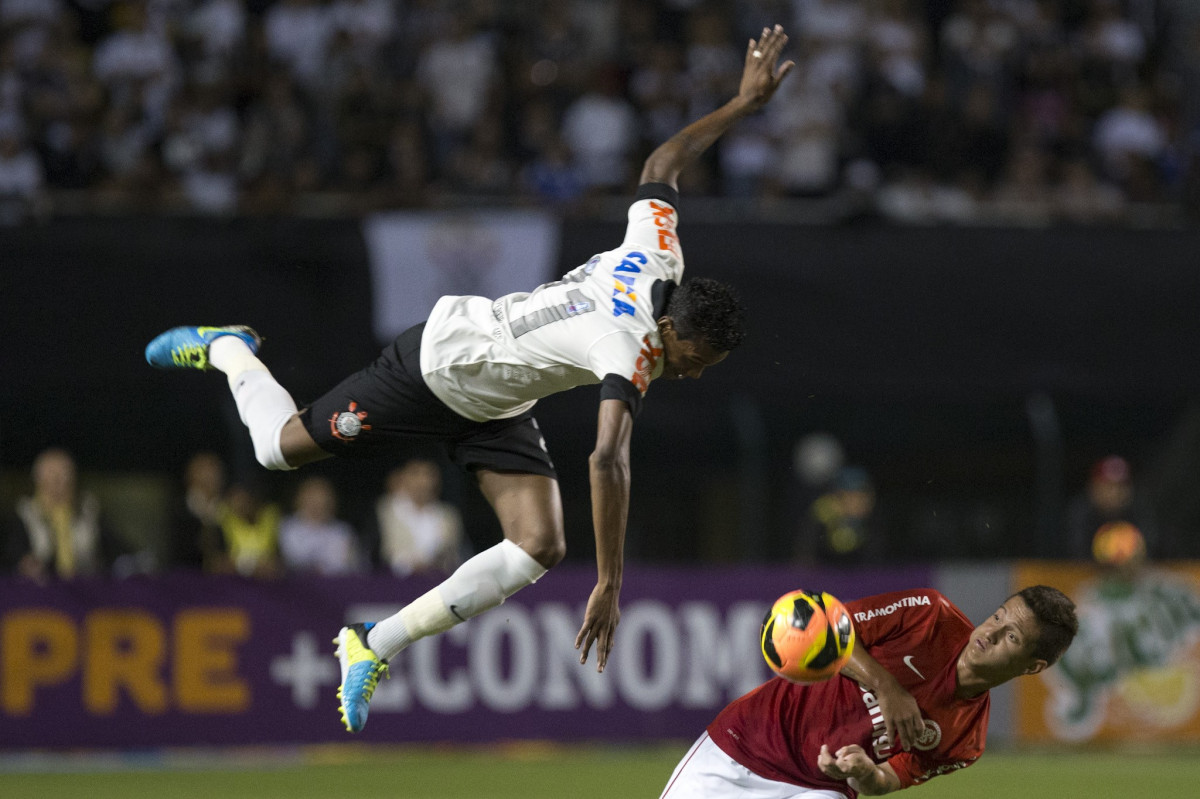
911	704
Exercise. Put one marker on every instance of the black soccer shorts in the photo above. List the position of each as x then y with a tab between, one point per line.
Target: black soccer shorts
370	412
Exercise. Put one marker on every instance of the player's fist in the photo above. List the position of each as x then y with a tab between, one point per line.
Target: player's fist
849	762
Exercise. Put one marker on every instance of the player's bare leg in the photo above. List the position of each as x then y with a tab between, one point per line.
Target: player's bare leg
297	445
530	511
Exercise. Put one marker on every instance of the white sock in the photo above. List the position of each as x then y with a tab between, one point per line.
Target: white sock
232	356
480	584
265	407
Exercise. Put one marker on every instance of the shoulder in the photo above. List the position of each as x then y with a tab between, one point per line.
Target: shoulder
894	601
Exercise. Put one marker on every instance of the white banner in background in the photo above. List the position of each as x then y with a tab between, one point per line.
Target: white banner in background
418	257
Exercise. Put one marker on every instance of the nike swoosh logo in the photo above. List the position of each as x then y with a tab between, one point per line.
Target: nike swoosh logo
454	610
907	662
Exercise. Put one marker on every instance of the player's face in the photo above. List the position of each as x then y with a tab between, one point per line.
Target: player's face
1002	647
684	357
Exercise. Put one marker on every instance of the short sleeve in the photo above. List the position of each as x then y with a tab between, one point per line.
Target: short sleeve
623	354
653	222
914	769
619	387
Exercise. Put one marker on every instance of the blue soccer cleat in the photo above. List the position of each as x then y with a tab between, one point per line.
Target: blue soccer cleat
361	670
187	347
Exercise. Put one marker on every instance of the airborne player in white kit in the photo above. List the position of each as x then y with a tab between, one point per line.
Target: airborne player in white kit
471	373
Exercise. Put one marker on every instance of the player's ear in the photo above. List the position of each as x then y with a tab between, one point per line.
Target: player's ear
1037	666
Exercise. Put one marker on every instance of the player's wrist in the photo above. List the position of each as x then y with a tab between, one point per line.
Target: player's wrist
741	106
869	781
610	582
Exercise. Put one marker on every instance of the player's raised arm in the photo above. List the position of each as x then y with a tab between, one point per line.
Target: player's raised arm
760	78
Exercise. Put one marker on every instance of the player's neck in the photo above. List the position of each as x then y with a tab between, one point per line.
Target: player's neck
969	684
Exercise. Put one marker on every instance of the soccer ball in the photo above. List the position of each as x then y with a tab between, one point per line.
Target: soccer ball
807	636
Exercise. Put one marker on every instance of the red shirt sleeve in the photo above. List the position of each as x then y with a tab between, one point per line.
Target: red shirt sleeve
914	769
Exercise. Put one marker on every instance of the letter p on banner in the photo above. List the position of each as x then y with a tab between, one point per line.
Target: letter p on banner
37	647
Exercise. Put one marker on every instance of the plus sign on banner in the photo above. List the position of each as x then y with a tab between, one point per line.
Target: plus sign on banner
307	669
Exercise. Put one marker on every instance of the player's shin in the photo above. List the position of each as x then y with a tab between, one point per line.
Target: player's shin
264	407
480	584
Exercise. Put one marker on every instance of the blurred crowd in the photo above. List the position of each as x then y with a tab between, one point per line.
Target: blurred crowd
59	530
1016	111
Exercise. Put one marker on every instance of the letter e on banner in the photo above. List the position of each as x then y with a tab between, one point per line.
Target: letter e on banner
206	661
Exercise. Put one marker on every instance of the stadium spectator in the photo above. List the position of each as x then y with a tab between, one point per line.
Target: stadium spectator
457	106
552	176
137	64
21	178
600	129
1129	133
368	26
250	527
297	34
1080	197
807	132
278	139
195	539
58	530
896	46
1113	40
1110	496
200	147
841	526
448	379
912	703
217	29
978	44
312	540
415	530
1024	195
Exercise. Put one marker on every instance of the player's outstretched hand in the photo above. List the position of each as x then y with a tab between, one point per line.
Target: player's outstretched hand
901	715
599	625
849	762
760	76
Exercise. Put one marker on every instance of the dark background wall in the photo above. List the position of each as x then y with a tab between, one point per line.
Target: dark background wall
929	356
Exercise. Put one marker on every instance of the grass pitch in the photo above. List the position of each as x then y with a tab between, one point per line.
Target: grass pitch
533	771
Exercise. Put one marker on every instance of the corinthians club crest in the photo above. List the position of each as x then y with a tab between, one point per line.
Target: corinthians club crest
346	425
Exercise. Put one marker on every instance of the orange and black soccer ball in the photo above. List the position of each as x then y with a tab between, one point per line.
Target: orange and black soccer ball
807	636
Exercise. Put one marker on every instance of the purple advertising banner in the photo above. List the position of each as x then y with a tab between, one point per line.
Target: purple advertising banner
190	659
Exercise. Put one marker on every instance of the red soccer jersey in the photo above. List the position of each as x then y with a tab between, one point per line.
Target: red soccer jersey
777	729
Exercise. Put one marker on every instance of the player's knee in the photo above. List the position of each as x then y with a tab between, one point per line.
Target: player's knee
269	460
548	550
267	450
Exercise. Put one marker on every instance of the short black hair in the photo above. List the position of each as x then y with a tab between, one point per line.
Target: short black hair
706	309
1057	623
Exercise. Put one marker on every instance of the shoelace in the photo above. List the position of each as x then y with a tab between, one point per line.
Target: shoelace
188	354
379	669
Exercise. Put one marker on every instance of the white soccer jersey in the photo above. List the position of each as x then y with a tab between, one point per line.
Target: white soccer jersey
494	359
